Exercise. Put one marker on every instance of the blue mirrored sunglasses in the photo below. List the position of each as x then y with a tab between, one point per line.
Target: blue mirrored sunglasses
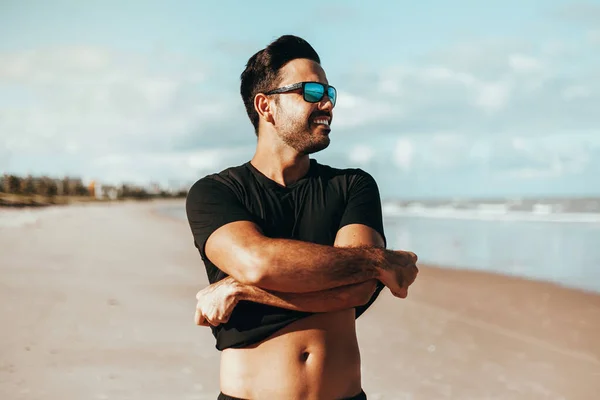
312	92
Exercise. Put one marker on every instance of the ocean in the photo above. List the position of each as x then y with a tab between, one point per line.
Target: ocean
541	242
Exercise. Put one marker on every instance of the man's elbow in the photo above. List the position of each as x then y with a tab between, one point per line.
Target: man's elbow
262	266
253	269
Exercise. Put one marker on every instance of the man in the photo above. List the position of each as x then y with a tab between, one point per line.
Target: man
294	250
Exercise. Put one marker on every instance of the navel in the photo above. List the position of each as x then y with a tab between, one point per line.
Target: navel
304	356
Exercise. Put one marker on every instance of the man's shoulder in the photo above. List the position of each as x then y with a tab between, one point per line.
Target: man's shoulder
342	172
227	178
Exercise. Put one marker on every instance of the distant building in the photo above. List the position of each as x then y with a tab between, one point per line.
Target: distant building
101	192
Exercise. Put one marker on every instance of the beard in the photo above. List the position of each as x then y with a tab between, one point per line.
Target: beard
303	135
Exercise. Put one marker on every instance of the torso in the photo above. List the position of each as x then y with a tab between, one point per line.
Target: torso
316	357
273	353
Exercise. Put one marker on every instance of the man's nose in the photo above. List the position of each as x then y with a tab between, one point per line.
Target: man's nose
326	104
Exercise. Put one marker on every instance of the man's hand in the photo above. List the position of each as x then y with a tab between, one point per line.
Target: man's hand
398	271
216	302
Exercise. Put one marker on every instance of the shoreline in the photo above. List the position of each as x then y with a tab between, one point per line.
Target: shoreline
20	201
510	278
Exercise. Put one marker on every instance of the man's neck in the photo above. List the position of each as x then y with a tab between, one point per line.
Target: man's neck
284	166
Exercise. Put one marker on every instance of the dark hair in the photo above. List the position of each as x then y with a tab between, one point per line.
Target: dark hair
262	70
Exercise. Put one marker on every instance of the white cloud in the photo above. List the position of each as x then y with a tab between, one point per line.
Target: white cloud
72	147
403	154
447	149
531	173
519	143
492	96
389	83
479	151
415	88
576	92
444	151
442	73
186	166
524	63
581	12
158	93
89	99
593	36
488	87
551	155
361	154
353	111
51	66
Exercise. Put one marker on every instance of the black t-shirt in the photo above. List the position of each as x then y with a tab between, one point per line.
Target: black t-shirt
313	209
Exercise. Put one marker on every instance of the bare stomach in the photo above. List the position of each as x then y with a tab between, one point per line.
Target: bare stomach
314	358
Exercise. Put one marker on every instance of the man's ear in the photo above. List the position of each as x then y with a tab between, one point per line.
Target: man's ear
262	105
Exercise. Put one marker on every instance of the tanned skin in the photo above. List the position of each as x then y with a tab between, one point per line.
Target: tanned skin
287	265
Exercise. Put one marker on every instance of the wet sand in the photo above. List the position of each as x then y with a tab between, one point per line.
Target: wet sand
97	302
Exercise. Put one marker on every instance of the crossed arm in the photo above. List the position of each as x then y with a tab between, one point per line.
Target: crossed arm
313	293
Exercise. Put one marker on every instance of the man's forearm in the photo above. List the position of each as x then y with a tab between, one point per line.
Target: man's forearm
329	300
300	267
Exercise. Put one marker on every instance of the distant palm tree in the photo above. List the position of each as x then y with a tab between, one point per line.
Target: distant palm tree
13	184
26	185
47	187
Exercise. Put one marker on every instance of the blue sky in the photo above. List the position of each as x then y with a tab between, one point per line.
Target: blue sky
436	99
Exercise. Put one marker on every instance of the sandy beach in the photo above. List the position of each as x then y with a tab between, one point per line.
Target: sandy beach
97	302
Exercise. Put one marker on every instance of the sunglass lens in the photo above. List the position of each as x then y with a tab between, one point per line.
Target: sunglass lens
332	94
313	92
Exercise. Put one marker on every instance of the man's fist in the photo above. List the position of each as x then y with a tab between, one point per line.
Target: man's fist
216	303
398	271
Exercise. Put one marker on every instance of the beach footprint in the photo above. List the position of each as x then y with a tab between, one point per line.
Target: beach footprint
113	302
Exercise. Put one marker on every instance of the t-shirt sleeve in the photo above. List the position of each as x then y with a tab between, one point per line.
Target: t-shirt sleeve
211	204
364	203
364	207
